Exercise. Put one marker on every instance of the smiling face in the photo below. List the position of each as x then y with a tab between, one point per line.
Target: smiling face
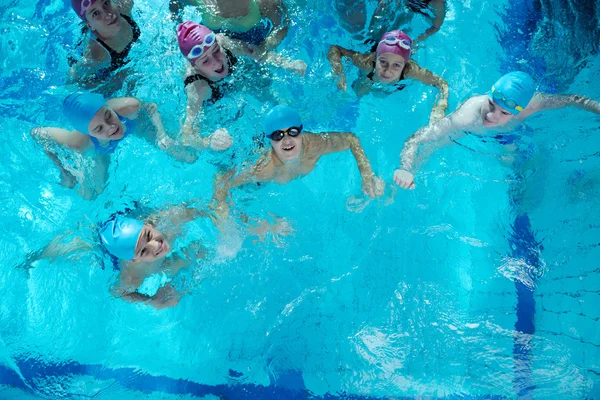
213	63
389	67
288	148
151	245
103	18
106	125
493	115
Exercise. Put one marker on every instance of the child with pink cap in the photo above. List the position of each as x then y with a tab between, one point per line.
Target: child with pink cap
112	34
211	62
389	64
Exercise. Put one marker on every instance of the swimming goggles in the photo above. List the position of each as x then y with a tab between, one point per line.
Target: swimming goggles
392	40
498	95
85	4
292	132
198	49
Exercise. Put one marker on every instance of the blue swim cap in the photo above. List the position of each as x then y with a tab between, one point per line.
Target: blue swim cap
81	107
513	91
120	236
281	117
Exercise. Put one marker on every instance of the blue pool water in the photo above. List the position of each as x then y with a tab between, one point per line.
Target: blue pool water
481	283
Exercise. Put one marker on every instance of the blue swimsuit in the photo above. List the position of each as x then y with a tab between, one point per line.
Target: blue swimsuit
255	35
112	145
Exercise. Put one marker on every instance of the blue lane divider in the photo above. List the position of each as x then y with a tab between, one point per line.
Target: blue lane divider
37	374
524	247
521	20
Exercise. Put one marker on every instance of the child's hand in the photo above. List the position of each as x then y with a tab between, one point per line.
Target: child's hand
341	82
373	186
297	66
164	141
404	179
280	228
220	140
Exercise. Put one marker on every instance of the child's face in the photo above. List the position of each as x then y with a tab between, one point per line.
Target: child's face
213	63
106	125
288	148
151	245
389	67
104	18
493	115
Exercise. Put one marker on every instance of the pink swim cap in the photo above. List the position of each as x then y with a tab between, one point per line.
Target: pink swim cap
396	42
81	6
190	34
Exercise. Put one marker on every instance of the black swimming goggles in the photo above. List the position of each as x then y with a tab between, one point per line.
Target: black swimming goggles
292	131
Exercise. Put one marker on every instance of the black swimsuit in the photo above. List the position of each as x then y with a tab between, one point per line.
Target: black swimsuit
218	89
117	59
419	6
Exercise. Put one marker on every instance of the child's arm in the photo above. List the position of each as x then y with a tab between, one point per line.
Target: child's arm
335	55
333	142
404	176
57	248
277	12
429	78
130	106
262	171
545	101
197	93
93	61
439	13
165	297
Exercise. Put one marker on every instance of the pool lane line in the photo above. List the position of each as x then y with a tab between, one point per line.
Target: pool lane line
521	19
38	373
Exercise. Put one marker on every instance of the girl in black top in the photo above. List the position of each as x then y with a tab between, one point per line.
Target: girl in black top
113	32
212	58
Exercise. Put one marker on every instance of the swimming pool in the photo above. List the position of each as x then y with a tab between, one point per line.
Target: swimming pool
419	296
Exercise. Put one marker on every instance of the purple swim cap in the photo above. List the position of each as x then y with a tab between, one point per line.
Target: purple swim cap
396	42
189	35
81	6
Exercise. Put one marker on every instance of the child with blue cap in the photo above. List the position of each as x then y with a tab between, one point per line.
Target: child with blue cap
510	101
294	153
99	126
141	251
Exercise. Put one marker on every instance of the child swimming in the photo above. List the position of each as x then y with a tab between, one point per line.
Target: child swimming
113	33
511	100
100	125
210	62
389	63
253	26
142	251
294	154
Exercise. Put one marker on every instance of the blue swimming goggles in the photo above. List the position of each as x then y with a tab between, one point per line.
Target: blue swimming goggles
498	95
292	132
198	49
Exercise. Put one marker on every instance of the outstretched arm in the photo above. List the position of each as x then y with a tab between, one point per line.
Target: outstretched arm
334	142
85	70
262	171
276	11
335	55
164	142
439	13
58	247
429	78
545	101
165	297
404	176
